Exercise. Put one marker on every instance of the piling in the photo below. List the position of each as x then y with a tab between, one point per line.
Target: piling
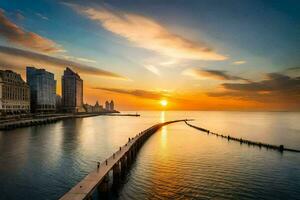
104	186
241	140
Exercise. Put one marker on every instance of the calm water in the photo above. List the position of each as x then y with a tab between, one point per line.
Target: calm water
177	162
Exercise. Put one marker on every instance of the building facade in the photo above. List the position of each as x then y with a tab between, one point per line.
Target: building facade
14	93
97	108
107	106
93	109
58	103
72	91
42	89
88	108
111	105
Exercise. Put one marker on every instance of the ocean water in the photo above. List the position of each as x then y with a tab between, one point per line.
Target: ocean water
177	162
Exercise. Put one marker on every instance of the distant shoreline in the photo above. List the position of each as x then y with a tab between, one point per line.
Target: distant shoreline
39	119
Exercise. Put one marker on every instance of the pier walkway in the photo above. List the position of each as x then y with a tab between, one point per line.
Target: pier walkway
118	163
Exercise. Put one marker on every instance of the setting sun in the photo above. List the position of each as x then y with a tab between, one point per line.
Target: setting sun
164	103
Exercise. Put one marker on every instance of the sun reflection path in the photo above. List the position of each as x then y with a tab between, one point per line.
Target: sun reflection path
164	137
164	130
162	116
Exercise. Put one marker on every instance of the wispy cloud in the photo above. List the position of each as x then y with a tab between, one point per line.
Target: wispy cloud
19	15
41	16
148	94
149	34
152	69
292	71
16	35
16	58
213	74
169	63
78	59
276	88
239	62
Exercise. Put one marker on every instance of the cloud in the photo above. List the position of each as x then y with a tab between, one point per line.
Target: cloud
275	87
169	63
239	62
19	15
292	71
147	94
15	34
149	34
14	58
214	74
41	16
155	95
79	59
152	69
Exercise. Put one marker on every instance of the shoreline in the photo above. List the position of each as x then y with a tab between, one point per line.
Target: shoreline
39	119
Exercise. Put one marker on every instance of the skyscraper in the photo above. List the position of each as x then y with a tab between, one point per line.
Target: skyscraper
42	89
14	93
72	91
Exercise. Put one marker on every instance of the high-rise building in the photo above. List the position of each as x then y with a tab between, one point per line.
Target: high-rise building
112	105
72	91
14	93
107	106
58	103
42	89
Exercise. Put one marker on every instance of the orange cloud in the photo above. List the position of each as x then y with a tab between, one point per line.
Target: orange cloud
214	74
239	62
17	58
149	34
15	34
137	93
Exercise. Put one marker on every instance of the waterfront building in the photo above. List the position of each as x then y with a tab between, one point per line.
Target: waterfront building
42	89
72	92
14	93
93	109
97	107
88	108
58	103
107	106
111	105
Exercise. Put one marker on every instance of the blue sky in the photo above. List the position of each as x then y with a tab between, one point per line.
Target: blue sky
248	39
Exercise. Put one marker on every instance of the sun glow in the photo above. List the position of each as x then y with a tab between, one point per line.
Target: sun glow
164	103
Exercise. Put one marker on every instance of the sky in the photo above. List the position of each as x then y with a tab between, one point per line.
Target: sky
195	54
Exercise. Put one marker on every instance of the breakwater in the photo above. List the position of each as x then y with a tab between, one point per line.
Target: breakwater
96	183
280	148
36	120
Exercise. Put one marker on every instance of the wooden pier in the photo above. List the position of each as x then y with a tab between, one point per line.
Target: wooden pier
280	148
118	163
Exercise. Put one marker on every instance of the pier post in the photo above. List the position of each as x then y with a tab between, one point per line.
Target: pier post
128	160
116	174
123	165
104	187
281	148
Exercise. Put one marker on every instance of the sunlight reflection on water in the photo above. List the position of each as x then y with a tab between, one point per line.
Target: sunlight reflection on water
176	162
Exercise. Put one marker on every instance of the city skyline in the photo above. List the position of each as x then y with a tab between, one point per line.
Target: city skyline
37	94
136	52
